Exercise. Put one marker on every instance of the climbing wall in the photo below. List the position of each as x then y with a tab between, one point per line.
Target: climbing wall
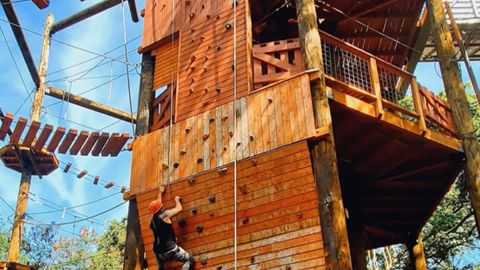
278	219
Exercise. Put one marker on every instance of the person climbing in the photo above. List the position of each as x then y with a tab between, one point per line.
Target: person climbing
165	244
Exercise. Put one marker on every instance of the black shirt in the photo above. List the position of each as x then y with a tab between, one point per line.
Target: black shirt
165	239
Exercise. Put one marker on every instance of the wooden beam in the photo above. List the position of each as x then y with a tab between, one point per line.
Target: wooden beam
83	14
417	255
134	249
324	160
455	90
133	10
22	42
463	50
89	104
369	10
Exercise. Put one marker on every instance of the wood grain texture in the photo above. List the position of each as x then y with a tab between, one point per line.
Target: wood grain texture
278	220
206	141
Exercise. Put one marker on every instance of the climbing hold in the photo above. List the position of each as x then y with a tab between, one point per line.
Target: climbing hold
243	189
192	69
165	166
175	165
192	39
212	214
230	133
67	167
194	211
182	223
205	136
192	15
211	198
187	2
212	120
203	6
299	215
206	58
228	26
199	229
245	220
193	57
191	90
206	102
203	261
208	16
254	162
224	117
202	38
205	68
252	259
218	17
183	152
252	138
192	30
238	144
222	171
187	130
205	90
270	100
218	90
288	268
224	149
191	181
200	160
218	48
219	267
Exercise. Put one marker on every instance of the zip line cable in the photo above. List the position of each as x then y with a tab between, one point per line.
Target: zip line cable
14	2
95	57
124	24
7	204
77	221
76	206
66	44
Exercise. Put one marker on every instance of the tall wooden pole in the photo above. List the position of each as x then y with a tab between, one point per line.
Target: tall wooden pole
417	255
332	212
456	97
134	245
24	189
463	50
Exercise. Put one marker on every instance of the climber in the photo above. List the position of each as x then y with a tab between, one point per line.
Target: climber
165	244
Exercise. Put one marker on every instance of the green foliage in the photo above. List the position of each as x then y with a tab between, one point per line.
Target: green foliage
37	244
112	245
3	240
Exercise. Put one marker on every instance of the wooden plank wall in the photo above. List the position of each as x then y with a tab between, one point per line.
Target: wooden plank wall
166	66
158	17
270	118
278	219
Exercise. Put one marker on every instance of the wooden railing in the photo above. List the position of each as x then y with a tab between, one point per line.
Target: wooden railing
162	107
359	74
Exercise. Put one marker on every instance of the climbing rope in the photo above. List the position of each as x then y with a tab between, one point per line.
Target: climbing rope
235	229
124	24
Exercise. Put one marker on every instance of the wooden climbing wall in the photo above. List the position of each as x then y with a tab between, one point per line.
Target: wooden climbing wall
272	117
158	19
166	66
278	219
206	61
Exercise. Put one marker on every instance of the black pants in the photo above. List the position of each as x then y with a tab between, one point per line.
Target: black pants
176	254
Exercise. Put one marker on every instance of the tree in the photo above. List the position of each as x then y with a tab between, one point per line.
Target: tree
111	246
37	245
3	240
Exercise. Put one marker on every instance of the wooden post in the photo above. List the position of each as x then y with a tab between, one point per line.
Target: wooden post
24	189
376	87
332	212
417	255
466	58
456	96
134	251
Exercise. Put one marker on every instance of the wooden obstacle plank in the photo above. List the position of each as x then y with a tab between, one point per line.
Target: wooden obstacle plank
17	132
100	144
108	146
6	122
79	142
42	139
119	144
31	133
87	147
67	141
57	137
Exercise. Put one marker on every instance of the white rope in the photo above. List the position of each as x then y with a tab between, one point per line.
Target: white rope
235	229
170	127
124	24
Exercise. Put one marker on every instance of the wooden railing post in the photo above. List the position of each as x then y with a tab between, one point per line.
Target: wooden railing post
375	82
417	103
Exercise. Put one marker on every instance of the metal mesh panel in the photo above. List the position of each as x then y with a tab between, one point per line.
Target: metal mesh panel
388	85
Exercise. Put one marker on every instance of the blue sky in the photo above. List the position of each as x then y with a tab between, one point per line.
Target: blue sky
98	34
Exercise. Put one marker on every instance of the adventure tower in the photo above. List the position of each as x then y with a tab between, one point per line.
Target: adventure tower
226	101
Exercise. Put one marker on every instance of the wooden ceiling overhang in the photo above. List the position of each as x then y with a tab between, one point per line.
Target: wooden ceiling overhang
386	29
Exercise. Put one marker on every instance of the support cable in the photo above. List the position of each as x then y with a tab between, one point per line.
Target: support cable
126	61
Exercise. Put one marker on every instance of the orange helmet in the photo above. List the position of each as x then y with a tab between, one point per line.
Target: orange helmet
154	206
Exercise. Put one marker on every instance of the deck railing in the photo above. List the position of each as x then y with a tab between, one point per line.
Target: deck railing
359	74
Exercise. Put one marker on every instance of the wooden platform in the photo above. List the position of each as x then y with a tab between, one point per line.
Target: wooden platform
22	158
14	266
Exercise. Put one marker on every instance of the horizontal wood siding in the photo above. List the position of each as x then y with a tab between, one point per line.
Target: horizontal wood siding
158	19
270	118
166	64
206	59
278	219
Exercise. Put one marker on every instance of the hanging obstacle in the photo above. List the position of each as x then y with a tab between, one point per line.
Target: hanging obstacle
35	152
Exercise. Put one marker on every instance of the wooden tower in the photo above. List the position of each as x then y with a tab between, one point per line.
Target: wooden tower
310	164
